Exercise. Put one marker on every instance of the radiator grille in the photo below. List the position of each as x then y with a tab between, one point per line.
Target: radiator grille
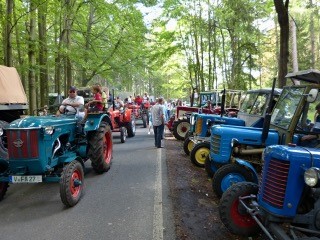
274	188
199	126
215	143
23	144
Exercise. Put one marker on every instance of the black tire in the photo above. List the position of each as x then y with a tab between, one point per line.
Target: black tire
3	149
207	166
3	189
100	148
229	174
71	183
123	134
131	127
188	146
181	128
233	215
199	153
144	120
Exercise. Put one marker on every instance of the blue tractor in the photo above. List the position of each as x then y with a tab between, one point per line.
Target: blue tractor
285	205
235	151
54	149
251	113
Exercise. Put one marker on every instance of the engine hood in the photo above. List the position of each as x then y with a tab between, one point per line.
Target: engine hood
42	121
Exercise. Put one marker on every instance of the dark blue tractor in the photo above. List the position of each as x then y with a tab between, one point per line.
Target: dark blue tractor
54	149
251	113
285	205
235	152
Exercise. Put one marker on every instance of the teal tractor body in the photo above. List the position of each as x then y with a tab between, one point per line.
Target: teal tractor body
54	149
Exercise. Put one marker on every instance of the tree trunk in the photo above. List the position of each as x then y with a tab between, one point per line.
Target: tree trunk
32	58
42	22
8	34
283	19
312	36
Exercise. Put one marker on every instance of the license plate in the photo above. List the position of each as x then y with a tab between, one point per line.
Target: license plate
26	179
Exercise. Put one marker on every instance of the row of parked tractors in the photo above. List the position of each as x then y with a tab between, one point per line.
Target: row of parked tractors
266	176
47	148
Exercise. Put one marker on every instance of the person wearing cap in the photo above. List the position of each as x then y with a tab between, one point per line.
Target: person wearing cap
311	140
72	103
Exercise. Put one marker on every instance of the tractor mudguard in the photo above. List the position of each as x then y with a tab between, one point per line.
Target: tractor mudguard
70	157
249	166
127	115
94	120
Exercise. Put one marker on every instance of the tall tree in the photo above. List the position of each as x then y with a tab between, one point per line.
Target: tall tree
32	57
283	19
8	33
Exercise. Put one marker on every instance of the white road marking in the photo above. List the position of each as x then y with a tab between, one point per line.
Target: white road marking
157	212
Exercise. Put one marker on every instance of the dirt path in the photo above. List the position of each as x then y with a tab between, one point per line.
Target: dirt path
195	205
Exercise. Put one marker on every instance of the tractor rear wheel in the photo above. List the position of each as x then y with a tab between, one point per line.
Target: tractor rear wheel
229	174
100	148
233	214
181	128
123	134
131	127
71	183
199	153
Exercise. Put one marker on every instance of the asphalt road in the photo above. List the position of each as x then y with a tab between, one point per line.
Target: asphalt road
128	202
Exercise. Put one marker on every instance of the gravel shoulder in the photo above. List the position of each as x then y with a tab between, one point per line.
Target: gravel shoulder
195	206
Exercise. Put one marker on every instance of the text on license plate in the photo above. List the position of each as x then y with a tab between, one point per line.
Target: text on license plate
26	179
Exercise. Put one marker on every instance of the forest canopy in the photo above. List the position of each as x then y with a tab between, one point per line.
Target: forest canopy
186	44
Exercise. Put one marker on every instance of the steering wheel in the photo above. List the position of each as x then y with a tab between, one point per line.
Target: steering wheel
66	112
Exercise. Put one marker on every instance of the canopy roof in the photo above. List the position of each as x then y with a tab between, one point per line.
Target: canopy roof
311	76
11	88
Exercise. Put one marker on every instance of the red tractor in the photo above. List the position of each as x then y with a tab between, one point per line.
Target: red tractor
141	111
210	102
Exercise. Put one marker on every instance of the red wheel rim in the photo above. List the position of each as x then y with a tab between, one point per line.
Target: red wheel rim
75	190
107	147
241	220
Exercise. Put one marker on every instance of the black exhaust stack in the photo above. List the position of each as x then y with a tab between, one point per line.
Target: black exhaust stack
223	101
267	118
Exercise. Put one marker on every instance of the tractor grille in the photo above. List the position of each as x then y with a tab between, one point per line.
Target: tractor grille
215	143
23	144
273	190
199	126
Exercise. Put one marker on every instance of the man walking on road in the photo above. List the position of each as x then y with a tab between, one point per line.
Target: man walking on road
158	122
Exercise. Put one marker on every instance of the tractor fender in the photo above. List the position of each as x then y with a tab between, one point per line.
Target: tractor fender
94	121
249	166
71	158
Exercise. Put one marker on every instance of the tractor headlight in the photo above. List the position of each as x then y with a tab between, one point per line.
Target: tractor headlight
49	130
208	122
234	142
311	177
1	131
192	120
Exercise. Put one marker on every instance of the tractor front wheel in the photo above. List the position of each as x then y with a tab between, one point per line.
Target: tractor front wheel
188	146
199	153
181	128
228	175
123	134
131	127
3	189
144	120
100	148
233	214
71	183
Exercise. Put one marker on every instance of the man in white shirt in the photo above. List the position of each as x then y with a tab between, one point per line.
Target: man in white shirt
71	104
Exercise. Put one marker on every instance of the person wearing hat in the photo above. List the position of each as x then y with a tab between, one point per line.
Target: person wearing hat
71	104
311	140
